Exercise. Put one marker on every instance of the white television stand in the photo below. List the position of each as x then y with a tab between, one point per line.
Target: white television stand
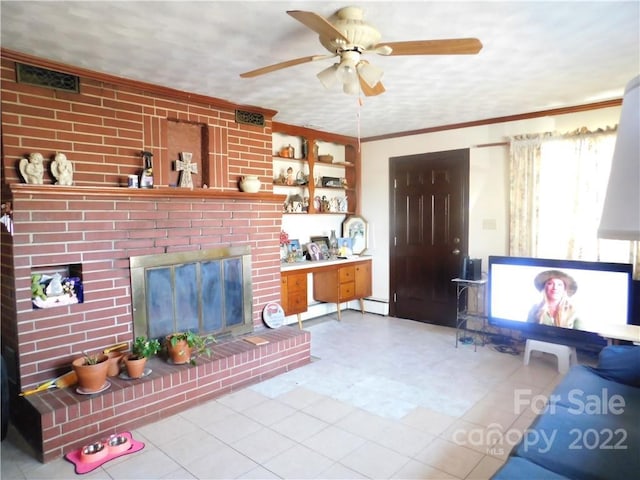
566	355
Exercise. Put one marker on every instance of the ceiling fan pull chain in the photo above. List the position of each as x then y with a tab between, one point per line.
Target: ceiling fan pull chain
358	110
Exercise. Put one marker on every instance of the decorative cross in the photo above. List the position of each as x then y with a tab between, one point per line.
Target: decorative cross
186	168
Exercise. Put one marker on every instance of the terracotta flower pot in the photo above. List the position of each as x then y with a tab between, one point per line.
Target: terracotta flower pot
91	378
115	358
135	366
179	353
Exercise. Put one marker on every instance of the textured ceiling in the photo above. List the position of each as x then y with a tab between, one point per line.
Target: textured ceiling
536	55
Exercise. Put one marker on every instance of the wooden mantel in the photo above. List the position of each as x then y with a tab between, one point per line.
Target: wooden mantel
155	192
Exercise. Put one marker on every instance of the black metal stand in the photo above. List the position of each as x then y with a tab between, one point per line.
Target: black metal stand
463	314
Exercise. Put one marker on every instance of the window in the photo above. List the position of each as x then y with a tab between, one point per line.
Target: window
557	194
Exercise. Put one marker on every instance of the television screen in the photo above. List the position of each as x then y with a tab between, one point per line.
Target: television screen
565	301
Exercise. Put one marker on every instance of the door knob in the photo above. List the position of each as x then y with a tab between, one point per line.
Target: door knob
455	251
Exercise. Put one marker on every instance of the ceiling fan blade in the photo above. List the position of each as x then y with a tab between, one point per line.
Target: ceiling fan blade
377	89
452	46
281	65
317	23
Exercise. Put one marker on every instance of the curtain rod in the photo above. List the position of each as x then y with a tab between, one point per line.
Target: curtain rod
495	144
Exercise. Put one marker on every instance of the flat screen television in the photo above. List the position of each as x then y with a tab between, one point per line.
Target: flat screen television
597	294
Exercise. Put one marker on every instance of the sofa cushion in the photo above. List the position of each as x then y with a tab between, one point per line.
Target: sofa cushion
518	468
620	363
584	389
584	445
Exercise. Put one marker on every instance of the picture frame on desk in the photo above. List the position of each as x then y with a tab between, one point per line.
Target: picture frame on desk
314	252
356	228
345	245
323	243
294	246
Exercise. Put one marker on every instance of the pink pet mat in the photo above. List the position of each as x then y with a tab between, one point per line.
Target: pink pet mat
86	467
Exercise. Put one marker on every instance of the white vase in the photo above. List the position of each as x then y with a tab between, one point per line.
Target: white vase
250	184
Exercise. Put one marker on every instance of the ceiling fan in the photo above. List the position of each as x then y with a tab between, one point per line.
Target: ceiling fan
349	37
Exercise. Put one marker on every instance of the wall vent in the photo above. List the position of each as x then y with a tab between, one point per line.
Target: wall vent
250	118
44	77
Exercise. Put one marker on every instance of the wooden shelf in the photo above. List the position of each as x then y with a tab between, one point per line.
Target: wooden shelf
344	150
292	159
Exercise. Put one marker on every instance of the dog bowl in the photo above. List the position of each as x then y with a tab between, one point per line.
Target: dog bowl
118	444
94	452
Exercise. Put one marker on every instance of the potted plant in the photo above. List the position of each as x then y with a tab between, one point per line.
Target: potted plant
91	371
185	347
142	349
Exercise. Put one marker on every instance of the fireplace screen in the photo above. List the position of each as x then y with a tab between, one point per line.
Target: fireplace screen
205	291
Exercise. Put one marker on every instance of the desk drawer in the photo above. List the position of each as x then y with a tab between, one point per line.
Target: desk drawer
347	274
296	303
296	282
347	290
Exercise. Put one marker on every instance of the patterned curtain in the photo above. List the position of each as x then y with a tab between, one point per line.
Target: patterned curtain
524	168
558	185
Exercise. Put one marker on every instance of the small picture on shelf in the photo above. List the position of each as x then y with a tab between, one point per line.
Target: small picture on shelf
313	251
294	247
332	182
345	247
322	242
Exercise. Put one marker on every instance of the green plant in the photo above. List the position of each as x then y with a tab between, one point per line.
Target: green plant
145	348
92	359
37	289
199	344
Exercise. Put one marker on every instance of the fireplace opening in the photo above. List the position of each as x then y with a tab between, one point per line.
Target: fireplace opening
204	291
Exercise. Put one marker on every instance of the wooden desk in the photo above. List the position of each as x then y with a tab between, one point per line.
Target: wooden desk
334	281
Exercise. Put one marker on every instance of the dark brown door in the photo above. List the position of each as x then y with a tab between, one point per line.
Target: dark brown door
429	234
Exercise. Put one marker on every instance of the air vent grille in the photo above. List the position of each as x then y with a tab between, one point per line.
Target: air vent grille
250	118
44	77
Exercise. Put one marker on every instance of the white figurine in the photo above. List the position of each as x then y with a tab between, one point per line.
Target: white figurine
32	169
54	289
62	169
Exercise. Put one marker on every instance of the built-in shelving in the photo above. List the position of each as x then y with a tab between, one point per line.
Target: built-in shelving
303	177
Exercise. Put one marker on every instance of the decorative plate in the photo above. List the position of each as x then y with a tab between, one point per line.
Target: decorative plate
273	315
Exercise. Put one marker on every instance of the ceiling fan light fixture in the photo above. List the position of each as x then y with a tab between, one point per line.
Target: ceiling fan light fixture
351	87
369	73
347	35
346	71
328	77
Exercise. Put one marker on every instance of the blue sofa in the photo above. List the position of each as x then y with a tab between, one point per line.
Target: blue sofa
590	428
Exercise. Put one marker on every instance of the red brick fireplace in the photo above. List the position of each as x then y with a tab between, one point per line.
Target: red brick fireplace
93	227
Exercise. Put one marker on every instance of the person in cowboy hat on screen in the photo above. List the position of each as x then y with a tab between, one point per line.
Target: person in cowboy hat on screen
555	307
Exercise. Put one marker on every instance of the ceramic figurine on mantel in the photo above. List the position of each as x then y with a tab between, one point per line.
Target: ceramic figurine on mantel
62	169
146	177
32	169
186	168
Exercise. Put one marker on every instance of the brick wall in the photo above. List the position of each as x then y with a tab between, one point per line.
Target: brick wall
102	130
96	224
99	232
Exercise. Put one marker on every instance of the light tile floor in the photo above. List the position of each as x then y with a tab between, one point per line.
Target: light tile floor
383	398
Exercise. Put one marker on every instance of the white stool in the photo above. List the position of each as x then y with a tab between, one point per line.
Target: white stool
566	355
